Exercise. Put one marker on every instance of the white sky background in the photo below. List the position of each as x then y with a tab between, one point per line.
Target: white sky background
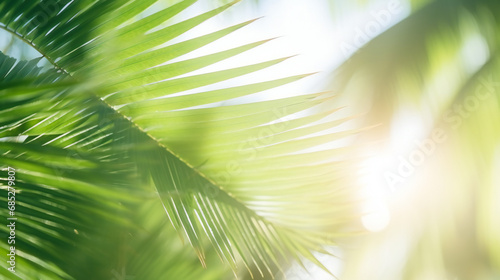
302	29
313	30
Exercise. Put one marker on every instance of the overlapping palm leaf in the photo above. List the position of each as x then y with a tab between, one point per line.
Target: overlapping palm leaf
442	57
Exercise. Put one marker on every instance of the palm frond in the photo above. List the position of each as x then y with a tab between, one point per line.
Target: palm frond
123	68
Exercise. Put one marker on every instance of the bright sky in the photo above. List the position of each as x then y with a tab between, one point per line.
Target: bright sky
304	28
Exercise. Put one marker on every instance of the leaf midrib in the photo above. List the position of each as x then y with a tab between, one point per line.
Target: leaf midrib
29	43
136	126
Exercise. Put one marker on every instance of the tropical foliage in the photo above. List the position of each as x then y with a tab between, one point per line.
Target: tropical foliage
127	149
115	137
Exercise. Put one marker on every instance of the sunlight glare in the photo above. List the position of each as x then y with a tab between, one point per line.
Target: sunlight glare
376	212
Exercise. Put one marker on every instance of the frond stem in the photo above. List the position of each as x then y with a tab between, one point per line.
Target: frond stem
21	37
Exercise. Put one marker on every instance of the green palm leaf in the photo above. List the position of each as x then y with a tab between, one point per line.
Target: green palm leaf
227	188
